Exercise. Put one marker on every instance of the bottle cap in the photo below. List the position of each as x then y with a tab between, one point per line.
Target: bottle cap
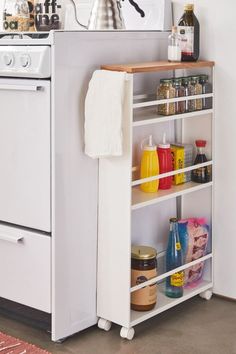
164	144
174	29
143	252
173	220
150	146
189	7
200	143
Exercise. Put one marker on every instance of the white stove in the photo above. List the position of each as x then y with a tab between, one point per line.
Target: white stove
26	56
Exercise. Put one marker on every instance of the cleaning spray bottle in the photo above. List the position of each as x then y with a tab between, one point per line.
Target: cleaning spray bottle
149	166
165	161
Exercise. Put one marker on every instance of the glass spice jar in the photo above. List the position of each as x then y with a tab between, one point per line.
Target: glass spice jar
143	268
179	92
166	90
185	83
191	92
197	91
206	88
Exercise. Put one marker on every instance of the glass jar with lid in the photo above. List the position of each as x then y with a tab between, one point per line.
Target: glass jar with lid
143	268
197	91
166	90
185	85
206	88
179	92
191	92
16	17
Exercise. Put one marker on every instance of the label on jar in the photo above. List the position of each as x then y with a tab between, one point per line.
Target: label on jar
177	279
147	295
186	34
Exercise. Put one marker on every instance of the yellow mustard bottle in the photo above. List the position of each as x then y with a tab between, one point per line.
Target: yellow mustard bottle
149	166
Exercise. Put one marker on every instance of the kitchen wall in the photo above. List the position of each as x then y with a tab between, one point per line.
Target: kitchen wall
218	28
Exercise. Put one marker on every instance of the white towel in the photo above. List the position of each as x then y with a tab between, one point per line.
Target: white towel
103	114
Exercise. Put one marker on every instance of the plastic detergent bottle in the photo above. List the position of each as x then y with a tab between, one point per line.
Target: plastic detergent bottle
174	259
149	166
165	162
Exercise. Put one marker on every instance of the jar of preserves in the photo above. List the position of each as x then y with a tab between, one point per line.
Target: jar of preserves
179	92
143	268
206	88
191	92
166	90
197	91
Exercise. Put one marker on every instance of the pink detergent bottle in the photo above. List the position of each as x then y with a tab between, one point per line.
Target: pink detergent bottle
165	162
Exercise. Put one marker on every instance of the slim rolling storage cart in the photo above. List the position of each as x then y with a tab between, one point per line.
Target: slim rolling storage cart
129	216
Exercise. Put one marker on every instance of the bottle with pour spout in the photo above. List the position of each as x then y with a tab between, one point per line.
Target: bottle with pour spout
149	166
165	162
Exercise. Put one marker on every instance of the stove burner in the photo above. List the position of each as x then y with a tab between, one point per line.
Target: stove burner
19	36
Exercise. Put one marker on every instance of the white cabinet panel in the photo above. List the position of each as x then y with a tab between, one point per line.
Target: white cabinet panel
25	153
25	267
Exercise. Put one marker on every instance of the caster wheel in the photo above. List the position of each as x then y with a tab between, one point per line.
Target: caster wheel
206	295
127	333
104	324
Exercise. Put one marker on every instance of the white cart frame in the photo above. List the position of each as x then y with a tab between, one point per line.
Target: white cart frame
120	195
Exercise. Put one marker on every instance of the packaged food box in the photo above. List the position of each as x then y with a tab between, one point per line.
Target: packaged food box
188	159
177	153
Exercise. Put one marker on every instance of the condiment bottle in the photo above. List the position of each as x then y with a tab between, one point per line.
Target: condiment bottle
149	166
202	174
174	51
143	268
174	259
165	162
189	31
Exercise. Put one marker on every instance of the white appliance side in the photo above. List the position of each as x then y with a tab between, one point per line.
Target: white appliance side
216	44
75	176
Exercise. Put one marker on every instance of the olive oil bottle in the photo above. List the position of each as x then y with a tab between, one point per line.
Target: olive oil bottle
189	32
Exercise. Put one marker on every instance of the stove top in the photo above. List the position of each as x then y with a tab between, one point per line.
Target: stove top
29	38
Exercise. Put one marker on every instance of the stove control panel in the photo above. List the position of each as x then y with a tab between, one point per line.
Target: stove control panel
25	61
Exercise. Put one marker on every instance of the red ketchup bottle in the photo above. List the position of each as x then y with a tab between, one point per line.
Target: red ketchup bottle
165	162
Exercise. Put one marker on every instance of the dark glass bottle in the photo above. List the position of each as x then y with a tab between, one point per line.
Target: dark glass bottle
202	174
174	259
189	31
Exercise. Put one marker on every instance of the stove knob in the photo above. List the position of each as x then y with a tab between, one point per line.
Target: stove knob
25	60
8	59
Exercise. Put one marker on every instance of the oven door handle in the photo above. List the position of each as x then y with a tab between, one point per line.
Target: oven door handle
10	238
20	87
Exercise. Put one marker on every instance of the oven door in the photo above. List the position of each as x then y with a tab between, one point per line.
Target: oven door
25	153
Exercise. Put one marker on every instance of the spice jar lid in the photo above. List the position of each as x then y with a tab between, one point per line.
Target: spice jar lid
195	78
177	80
189	7
173	220
203	77
143	252
166	81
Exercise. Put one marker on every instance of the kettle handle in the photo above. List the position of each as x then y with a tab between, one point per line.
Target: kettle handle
137	8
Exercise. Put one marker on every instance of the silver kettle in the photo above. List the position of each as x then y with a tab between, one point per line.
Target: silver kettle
107	15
